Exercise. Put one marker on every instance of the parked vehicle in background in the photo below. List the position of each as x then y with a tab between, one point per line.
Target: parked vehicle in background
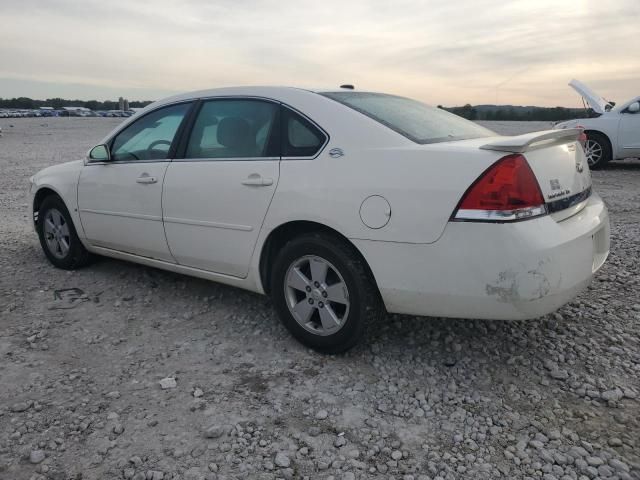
64	112
117	113
614	133
336	203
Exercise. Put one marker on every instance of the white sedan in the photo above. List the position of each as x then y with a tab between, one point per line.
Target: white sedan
339	204
614	134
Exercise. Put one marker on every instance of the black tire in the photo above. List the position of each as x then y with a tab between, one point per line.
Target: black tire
365	306
77	256
601	142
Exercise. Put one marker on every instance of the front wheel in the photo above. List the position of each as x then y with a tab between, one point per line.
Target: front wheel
58	236
323	292
597	150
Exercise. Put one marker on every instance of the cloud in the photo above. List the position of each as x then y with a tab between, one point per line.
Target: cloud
476	51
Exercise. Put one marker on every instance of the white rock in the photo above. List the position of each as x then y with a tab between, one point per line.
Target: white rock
594	461
322	414
167	383
282	460
37	456
618	465
214	431
193	473
612	395
559	374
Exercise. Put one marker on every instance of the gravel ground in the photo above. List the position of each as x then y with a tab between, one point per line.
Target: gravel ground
144	374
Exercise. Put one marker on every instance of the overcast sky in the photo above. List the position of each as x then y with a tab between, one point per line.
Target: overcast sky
440	51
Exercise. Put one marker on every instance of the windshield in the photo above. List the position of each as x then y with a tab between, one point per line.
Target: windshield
415	120
624	106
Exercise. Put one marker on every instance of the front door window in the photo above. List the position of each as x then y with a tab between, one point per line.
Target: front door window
151	137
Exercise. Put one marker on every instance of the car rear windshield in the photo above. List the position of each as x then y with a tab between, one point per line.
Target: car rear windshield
415	120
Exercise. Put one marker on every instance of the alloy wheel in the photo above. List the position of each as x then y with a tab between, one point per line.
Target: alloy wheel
56	233
593	151
316	295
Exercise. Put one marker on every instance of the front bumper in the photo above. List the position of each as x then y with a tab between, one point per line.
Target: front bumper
506	271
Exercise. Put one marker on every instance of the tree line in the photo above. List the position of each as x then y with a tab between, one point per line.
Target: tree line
57	103
478	112
511	113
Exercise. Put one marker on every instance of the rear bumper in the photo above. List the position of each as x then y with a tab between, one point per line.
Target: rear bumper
507	271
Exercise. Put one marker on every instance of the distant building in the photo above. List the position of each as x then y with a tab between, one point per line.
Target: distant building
76	109
77	112
125	107
121	104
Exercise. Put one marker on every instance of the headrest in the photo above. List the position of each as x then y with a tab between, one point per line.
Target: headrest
235	132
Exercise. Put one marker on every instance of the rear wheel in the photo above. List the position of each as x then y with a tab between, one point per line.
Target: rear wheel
58	236
597	150
323	292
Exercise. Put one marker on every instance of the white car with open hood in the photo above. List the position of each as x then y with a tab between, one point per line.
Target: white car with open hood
614	134
339	204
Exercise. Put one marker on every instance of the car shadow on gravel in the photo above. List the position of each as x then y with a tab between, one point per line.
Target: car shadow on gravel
194	302
629	165
454	338
394	333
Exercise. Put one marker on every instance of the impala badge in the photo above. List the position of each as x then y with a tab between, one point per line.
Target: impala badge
336	153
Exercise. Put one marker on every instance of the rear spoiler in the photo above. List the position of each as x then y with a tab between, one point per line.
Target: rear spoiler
531	141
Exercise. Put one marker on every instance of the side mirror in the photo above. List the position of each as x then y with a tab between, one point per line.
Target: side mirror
99	153
634	107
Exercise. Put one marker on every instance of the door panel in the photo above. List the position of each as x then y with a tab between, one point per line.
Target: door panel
120	213
630	134
213	211
120	199
215	200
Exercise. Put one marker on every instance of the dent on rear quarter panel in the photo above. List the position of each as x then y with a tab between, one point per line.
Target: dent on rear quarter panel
525	284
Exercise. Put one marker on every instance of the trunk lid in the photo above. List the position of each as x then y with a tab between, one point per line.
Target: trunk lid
557	159
595	101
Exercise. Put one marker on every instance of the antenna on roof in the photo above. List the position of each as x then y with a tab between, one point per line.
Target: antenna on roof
347	86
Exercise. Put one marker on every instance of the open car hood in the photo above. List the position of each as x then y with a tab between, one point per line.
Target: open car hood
595	101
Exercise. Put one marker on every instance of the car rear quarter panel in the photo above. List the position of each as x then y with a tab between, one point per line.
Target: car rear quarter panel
422	184
507	271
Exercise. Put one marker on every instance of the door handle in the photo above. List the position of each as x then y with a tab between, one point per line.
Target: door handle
146	179
256	180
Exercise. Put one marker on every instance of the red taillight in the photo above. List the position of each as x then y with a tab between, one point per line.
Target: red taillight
507	191
583	136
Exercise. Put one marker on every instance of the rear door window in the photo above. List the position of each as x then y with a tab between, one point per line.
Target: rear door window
235	128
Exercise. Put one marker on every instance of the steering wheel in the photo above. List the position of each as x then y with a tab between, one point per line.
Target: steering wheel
158	142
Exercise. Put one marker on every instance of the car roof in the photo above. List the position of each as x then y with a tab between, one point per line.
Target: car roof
269	91
320	109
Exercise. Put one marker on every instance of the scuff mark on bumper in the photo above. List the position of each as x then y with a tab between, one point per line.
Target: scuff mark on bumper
519	285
